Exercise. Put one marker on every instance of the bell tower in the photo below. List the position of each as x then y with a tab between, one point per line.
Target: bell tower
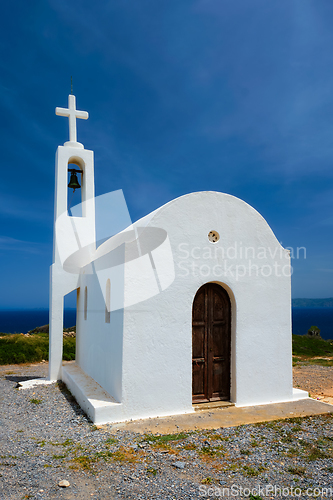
74	238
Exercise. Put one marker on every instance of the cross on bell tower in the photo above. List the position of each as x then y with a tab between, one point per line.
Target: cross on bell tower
72	113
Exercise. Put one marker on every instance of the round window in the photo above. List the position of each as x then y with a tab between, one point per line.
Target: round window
213	236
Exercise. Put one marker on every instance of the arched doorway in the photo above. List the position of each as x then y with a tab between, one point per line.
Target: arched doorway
211	339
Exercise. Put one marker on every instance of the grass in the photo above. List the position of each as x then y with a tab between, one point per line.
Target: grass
297	470
164	441
293	452
310	451
316	453
85	462
123	455
17	348
288	438
111	440
104	455
165	438
67	442
83	458
207	480
252	472
212	451
152	471
311	347
190	446
36	401
295	420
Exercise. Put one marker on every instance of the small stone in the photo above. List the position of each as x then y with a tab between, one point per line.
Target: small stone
179	465
63	484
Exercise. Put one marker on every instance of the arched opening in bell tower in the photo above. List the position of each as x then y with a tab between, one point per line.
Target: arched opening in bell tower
75	180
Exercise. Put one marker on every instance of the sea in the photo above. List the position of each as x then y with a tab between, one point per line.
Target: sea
21	321
305	317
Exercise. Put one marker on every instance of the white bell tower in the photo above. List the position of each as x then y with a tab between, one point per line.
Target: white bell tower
74	238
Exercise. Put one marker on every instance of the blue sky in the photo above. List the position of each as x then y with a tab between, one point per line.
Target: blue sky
233	96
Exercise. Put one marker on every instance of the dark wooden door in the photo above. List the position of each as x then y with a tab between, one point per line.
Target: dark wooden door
211	339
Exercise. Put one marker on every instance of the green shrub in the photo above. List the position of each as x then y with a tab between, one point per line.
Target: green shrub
311	346
19	348
314	331
69	348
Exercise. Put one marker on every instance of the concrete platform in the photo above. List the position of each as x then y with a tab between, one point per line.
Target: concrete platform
92	398
229	416
212	405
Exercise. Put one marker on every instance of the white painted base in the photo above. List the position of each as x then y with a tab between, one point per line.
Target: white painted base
299	394
93	399
28	384
101	408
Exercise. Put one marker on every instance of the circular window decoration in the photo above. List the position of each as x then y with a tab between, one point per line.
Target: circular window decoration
213	236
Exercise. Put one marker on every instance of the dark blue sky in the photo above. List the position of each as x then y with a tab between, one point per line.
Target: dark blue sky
233	96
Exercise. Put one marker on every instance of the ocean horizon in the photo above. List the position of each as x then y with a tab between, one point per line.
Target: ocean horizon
21	320
24	320
304	318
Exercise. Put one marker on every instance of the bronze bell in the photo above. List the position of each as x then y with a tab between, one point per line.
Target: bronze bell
73	182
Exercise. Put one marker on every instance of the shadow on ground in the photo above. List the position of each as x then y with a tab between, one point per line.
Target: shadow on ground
17	379
71	400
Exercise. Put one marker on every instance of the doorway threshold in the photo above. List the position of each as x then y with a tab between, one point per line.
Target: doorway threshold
212	404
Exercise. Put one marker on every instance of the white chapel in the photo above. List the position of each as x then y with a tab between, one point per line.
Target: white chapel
190	304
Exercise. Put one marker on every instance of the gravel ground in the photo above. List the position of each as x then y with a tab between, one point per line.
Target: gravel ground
317	380
45	438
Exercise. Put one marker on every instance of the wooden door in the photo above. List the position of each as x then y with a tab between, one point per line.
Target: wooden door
211	339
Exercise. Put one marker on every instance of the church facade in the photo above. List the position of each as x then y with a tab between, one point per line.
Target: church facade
189	305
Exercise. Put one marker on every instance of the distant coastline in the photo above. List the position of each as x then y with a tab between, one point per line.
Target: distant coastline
319	313
312	303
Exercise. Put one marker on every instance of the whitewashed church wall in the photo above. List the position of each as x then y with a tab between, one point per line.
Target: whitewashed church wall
160	349
150	370
99	344
158	332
